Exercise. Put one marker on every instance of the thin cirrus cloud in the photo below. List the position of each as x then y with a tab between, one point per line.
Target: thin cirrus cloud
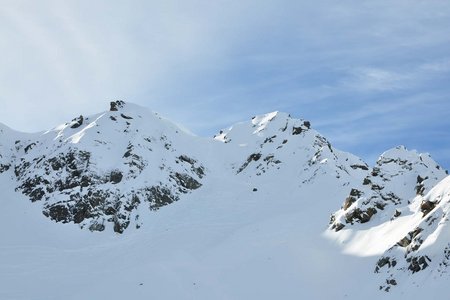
369	74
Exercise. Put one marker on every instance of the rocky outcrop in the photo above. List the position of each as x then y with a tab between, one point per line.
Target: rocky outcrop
414	173
77	122
116	105
409	254
102	181
73	191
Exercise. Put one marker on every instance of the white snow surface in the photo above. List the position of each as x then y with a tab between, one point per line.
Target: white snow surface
255	229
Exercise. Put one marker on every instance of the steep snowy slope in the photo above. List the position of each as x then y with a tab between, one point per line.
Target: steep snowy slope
398	176
167	215
414	245
112	167
8	146
276	141
104	168
388	214
424	252
222	242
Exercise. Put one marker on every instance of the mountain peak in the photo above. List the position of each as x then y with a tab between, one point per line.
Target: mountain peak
271	185
116	105
402	156
263	126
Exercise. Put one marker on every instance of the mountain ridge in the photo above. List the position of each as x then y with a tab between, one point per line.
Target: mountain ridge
123	169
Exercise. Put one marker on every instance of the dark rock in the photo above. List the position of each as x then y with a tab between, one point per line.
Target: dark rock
126	117
417	264
375	171
127	154
159	196
269	139
255	156
271	159
385	261
362	167
37	194
355	193
55	163
115	176
29	147
115	105
119	226
380	205
406	241
78	122
426	207
307	124
85	181
296	130
32	187
338	226
96	227
200	171
348	202
110	211
58	213
4	168
367	181
252	157
187	159
81	211
376	187
133	204
361	216
420	187
391	281
368	215
186	181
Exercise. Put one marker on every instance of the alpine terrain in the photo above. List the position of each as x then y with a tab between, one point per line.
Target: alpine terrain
125	204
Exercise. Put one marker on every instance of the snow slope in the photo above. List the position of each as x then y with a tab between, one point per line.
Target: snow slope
240	216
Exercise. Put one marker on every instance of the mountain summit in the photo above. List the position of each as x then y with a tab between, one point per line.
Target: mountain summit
241	215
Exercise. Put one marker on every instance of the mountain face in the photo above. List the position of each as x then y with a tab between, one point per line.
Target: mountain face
106	168
398	202
111	167
130	171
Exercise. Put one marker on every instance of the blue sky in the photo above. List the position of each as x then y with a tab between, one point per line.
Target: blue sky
368	74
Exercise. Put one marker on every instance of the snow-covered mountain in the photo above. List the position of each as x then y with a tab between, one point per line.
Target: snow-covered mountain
125	203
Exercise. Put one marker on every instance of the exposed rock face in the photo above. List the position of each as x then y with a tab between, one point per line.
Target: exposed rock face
77	122
74	191
278	137
98	171
403	184
104	172
398	176
116	105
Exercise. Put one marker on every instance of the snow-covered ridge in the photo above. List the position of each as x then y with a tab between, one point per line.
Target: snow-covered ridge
399	206
399	175
98	169
122	169
424	251
110	167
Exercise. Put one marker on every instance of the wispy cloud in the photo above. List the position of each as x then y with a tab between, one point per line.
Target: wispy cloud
350	67
374	79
